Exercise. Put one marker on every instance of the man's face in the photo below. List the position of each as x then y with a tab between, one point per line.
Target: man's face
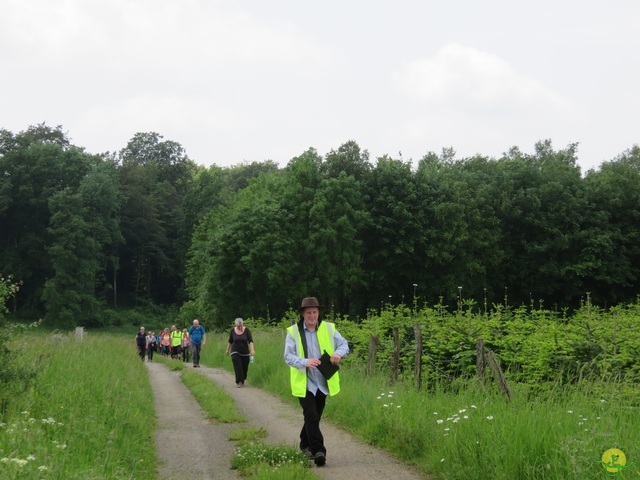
310	316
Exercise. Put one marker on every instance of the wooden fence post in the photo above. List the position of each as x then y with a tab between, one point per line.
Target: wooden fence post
417	331
396	354
481	361
373	350
498	376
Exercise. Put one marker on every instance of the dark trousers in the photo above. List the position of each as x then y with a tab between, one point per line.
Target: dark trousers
195	348
310	435
186	354
141	352
240	366
150	351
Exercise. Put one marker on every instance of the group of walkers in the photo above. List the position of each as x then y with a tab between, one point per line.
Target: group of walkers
313	350
178	344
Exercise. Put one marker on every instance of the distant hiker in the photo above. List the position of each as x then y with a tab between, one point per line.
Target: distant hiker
185	346
198	337
165	342
151	346
308	341
176	341
141	343
241	347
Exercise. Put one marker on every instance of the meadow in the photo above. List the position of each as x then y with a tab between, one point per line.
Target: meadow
465	429
88	412
87	415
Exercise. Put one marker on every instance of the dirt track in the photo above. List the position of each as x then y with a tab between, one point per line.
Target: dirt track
189	446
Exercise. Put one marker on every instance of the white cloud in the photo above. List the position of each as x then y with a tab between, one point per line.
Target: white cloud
252	80
476	102
174	34
470	80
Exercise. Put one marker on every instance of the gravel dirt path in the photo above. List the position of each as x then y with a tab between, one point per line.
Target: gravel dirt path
190	446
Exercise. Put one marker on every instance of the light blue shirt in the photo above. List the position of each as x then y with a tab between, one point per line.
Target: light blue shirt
315	380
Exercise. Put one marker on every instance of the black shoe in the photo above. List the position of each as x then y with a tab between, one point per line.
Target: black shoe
320	458
308	453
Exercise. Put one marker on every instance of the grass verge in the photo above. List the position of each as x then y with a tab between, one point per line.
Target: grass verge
89	416
464	430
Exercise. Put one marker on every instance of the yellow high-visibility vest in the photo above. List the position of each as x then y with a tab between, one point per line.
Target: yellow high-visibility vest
176	338
298	376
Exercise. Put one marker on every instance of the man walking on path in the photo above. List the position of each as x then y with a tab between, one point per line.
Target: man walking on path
141	343
198	337
308	342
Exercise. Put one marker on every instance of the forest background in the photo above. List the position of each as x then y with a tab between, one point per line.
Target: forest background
526	252
149	231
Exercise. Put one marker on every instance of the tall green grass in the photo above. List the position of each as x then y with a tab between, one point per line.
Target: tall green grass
90	415
465	430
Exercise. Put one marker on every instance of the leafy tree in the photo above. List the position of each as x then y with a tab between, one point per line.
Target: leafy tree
540	219
208	190
460	230
155	177
348	159
609	243
334	240
70	294
102	201
37	163
392	239
8	288
239	177
84	233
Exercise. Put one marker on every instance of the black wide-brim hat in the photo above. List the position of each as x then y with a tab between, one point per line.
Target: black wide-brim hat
309	302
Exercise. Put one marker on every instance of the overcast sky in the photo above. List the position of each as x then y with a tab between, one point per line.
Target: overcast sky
253	80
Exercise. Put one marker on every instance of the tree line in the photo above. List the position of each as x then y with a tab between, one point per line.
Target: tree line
85	234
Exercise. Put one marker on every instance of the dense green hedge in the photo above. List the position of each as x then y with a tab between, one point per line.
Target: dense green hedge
532	345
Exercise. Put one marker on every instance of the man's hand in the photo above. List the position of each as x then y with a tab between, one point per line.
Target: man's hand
335	359
313	362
